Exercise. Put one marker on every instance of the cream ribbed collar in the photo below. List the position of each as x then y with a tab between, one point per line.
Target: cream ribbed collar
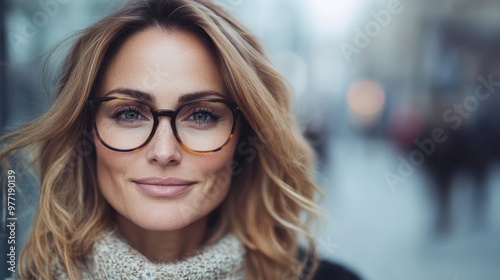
113	258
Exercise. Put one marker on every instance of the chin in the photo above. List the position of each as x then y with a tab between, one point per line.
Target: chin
165	220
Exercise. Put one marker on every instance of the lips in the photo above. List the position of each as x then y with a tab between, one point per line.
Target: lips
163	187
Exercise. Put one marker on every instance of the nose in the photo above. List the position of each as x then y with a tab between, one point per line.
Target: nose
164	149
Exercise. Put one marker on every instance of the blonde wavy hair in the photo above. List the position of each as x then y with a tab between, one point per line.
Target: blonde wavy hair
273	199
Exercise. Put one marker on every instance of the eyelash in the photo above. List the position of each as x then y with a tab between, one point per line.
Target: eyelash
119	111
214	117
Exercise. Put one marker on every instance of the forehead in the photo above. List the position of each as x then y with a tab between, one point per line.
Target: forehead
163	63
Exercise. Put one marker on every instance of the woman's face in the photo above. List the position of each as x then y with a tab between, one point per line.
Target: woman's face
162	186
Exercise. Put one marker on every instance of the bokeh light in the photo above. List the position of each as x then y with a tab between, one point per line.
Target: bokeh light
365	99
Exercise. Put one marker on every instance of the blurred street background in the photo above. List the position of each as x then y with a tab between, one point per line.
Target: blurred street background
400	100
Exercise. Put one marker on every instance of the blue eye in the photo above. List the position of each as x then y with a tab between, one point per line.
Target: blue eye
201	116
130	115
204	116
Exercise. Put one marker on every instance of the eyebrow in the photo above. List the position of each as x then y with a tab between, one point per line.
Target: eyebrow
133	93
150	98
198	95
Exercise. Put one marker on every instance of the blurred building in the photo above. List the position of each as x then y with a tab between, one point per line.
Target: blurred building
372	81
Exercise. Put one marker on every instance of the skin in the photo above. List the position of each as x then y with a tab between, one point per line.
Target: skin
166	64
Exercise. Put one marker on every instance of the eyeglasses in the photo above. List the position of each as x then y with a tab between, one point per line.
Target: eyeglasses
200	126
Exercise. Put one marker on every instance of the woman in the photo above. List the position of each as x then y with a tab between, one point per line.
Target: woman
169	153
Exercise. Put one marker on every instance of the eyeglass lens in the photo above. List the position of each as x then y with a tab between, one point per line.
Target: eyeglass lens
127	124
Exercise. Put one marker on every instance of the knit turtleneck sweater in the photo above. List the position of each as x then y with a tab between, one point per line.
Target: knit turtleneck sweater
113	258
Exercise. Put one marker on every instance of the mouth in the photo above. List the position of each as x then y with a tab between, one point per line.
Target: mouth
163	187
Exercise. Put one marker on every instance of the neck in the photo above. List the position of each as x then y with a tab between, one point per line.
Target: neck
163	246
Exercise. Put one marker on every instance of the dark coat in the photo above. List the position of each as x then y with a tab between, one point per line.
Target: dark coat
327	270
330	271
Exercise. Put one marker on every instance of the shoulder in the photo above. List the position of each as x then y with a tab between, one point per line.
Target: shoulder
326	270
330	271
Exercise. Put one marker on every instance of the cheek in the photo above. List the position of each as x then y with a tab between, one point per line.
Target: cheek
111	163
108	163
111	167
217	169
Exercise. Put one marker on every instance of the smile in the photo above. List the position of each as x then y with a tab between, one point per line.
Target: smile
159	187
